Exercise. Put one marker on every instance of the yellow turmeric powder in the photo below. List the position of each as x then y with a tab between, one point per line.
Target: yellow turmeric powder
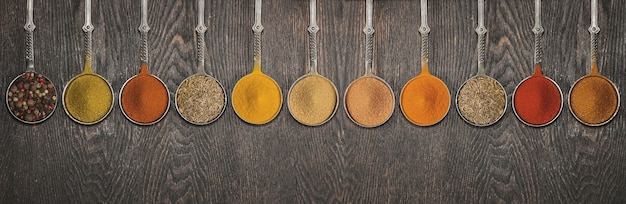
257	99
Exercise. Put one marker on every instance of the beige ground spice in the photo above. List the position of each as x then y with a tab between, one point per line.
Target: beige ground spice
312	100
369	101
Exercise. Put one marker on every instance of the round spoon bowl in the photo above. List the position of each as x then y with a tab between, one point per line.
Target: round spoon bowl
88	99
48	101
312	100
425	100
139	108
369	101
204	95
257	98
481	101
594	100
537	101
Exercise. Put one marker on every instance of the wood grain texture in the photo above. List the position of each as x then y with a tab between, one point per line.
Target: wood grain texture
230	161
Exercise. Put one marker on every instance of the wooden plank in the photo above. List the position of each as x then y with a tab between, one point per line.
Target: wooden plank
230	161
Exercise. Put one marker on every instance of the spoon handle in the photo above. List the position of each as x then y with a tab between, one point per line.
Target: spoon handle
313	28
369	36
200	31
143	30
538	30
88	29
481	30
258	30
29	27
424	30
594	30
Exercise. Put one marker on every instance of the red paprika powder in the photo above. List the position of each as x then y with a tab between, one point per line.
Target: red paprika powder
144	98
537	100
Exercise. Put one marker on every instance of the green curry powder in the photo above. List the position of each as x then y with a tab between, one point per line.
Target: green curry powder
88	99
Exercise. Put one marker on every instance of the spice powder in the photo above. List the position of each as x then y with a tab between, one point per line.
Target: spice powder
312	100
593	100
256	98
425	100
481	101
369	101
537	100
144	99
88	98
200	99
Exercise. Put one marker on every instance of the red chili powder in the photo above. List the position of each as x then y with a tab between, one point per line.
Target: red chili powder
537	100
144	98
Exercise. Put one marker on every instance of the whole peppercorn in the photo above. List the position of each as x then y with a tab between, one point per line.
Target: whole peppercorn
31	97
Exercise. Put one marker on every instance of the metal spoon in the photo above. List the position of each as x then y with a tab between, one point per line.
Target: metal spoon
369	100
312	99
536	91
425	94
481	100
25	104
257	98
594	99
204	103
79	94
134	106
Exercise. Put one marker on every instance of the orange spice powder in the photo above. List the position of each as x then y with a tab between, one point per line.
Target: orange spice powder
425	100
144	98
594	100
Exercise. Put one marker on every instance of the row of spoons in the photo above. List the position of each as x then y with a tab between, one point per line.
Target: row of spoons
312	99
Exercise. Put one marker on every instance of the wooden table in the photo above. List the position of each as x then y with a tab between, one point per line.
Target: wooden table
229	161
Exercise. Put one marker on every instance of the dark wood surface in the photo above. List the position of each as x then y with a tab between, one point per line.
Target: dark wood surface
229	161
